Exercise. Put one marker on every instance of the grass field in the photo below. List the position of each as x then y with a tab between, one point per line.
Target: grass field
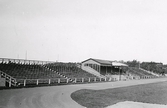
155	93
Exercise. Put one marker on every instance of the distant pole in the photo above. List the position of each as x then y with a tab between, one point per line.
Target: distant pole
26	55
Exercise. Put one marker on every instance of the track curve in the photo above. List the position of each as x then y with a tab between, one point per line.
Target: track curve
57	96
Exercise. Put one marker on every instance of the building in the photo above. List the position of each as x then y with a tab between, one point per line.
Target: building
103	67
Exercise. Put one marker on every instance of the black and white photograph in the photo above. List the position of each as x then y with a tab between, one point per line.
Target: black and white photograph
83	53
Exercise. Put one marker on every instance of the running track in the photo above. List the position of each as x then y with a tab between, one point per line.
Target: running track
57	96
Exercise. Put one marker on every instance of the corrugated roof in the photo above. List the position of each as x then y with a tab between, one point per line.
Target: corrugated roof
103	61
118	64
107	62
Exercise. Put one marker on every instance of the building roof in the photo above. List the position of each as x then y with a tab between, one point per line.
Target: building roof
118	64
107	62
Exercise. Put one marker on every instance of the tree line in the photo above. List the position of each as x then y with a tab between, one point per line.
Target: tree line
150	66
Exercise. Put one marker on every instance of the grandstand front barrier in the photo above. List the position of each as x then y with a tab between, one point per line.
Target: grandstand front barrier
25	82
36	82
9	79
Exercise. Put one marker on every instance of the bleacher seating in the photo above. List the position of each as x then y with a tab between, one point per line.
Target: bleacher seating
138	72
70	70
27	71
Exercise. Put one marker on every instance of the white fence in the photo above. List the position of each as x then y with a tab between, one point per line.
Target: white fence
25	82
36	82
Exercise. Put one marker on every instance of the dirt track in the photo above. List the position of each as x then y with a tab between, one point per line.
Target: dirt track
57	96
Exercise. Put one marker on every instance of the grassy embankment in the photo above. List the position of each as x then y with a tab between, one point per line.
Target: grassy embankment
155	93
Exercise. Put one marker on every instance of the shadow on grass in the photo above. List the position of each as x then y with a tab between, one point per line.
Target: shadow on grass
155	93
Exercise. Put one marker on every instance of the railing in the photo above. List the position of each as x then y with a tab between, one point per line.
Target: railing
57	81
9	79
92	71
25	82
149	72
56	72
36	82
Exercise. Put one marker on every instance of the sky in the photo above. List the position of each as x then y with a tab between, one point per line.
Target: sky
75	30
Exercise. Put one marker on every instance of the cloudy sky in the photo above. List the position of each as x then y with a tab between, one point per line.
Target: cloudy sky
75	30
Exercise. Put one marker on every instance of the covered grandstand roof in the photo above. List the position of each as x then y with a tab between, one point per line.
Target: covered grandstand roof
103	61
107	62
118	64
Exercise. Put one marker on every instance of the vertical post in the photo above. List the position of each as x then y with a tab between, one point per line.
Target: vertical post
105	79
5	75
37	81
67	80
10	81
49	81
75	80
95	79
24	82
110	79
59	80
82	79
89	79
106	69
119	74
100	79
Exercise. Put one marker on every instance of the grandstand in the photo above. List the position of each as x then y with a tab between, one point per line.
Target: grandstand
27	71
104	68
17	71
23	72
153	67
138	72
71	70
